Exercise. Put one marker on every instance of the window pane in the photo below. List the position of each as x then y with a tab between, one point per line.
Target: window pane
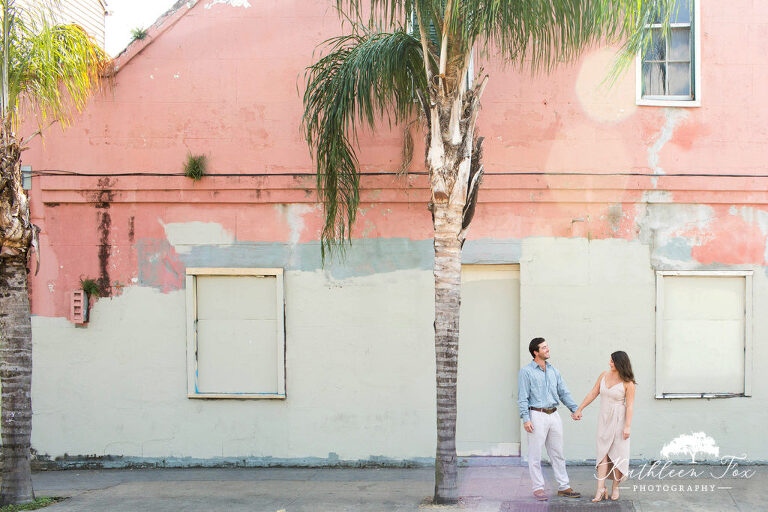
680	79
653	78
680	44
681	13
657	47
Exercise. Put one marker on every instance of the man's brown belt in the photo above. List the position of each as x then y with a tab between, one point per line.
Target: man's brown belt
546	411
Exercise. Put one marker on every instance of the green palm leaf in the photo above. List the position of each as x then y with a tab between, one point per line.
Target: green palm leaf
542	33
539	33
364	77
371	74
52	69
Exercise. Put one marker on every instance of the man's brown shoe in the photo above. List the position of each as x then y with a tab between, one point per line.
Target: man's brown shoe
569	493
540	495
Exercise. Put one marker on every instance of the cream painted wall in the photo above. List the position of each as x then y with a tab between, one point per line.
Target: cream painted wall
591	298
360	378
360	367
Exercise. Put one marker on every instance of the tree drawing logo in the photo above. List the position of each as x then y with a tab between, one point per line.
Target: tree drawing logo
690	445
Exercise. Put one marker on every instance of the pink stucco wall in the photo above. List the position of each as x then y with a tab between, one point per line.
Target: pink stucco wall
226	81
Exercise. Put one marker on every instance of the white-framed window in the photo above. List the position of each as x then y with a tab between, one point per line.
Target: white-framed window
703	334
669	70
235	333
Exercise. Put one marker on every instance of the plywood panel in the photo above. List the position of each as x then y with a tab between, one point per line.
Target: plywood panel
706	298
237	356
488	421
703	335
237	334
236	297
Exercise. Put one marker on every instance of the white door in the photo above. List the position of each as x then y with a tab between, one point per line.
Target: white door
489	360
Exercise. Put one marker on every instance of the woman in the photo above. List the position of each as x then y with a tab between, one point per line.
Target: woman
616	388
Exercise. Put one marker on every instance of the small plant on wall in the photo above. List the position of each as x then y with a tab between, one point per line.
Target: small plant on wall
90	287
139	33
195	165
81	299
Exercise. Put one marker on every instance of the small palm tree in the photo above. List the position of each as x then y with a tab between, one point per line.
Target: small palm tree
413	56
48	71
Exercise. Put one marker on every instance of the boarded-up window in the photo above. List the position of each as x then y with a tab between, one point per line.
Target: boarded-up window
703	325
235	338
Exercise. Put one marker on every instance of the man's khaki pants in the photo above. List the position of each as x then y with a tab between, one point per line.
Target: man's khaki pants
547	432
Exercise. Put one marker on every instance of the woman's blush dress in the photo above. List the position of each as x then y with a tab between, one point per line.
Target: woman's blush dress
610	430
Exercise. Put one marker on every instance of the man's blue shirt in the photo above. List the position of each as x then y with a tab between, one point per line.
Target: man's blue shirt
542	389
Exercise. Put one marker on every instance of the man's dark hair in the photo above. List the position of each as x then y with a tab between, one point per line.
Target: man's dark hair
534	345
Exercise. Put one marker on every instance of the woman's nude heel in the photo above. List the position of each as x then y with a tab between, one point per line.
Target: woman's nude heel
600	497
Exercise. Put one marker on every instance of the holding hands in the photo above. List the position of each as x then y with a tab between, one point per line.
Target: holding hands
576	415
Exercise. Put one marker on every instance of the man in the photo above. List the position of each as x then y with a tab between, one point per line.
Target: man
539	388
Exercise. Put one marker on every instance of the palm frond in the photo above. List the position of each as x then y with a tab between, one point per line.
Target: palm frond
53	68
389	13
543	33
365	76
536	33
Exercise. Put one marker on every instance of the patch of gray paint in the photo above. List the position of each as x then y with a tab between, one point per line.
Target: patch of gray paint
239	254
233	3
160	265
676	248
658	225
657	196
369	256
363	257
490	251
666	219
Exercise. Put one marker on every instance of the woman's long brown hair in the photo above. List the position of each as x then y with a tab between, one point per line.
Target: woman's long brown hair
623	366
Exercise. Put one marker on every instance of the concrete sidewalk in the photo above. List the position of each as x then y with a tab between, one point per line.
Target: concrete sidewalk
497	489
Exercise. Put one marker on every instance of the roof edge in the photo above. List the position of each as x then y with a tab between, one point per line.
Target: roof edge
166	20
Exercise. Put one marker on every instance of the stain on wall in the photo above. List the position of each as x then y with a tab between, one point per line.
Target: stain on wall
104	197
131	228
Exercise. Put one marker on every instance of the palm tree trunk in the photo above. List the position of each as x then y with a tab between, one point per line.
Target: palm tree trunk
447	223
16	376
16	235
453	159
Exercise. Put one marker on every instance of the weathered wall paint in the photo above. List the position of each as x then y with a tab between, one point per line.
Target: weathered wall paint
590	299
360	367
220	78
118	387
